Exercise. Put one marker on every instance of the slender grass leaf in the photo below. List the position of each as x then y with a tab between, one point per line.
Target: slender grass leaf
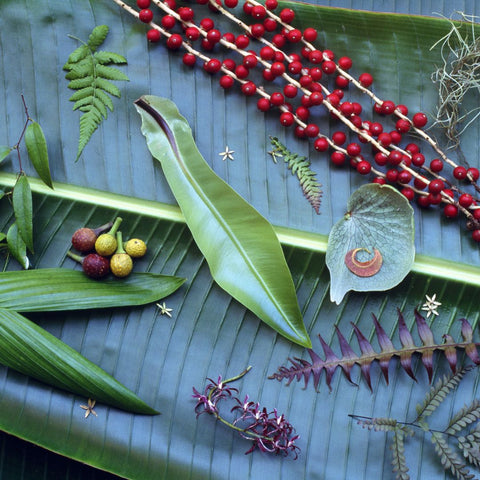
240	246
378	219
27	348
37	152
4	151
16	246
51	289
22	206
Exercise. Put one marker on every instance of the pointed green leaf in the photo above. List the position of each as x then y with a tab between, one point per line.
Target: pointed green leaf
22	206
4	151
37	152
31	350
50	289
16	246
110	73
97	37
240	246
378	218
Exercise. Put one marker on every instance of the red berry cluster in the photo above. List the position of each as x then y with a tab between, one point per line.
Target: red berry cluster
306	78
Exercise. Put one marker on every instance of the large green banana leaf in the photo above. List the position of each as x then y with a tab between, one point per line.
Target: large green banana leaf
209	334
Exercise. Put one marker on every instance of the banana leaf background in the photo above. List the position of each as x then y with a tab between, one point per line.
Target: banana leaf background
209	334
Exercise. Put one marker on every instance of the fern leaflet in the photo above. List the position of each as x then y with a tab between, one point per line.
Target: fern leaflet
399	462
300	167
450	460
90	75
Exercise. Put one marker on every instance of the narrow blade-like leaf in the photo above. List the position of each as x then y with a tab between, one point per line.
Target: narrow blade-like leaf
22	206
16	246
37	152
51	289
31	350
240	246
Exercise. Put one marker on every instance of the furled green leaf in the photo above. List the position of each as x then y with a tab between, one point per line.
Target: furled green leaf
4	151
240	246
31	350
22	206
17	246
37	151
380	218
50	289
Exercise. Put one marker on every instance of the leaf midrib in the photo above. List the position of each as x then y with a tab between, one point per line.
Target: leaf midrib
424	264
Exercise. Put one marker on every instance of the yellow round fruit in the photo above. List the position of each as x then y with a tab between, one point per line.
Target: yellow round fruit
121	264
106	245
136	248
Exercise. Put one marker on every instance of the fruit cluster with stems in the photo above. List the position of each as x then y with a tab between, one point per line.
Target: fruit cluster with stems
268	431
301	74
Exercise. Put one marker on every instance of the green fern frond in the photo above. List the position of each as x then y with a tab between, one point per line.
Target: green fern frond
470	447
399	462
300	167
449	459
466	416
377	424
89	74
437	394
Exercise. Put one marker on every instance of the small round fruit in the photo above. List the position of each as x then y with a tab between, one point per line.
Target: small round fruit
136	248
96	266
106	245
121	264
84	240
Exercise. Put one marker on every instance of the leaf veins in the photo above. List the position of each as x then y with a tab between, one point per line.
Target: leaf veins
301	368
89	74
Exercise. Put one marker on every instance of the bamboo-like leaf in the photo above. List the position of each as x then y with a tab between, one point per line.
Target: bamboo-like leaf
303	369
31	350
4	151
23	209
51	289
16	246
240	246
37	152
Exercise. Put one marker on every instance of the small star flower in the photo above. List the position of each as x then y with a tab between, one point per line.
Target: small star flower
227	154
164	310
275	154
431	305
89	408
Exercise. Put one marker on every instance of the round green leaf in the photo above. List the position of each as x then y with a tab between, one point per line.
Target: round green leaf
378	217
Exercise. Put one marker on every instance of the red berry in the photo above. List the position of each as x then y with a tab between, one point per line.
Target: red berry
302	113
473	174
420	183
268	75
310	34
434	198
316	98
192	33
257	30
270	24
379	180
263	104
375	129
241	71
271	4
387	107
84	240
419	120
423	201
341	81
277	69
321	144
258	12
247	8
354	149
279	40
476	235
267	53
418	159
213	65
365	79
460	173
436	186
189	59
242	41
450	210
295	67
404	177
465	200
174	42
345	63
287	119
153	35
312	130
226	81
299	132
392	175
315	56
249	89
143	4
412	148
329	67
402	109
96	266
339	138
229	37
230	3
145	15
436	165
294	36
381	159
250	61
207	24
402	126
346	108
277	99
287	15
338	158
385	139
476	214
186	13
363	167
395	157
290	91
408	193
334	99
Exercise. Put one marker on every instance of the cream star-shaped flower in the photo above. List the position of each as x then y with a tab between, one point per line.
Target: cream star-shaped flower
89	408
164	310
431	305
227	154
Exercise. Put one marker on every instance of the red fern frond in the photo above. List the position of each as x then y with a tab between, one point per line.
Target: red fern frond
301	368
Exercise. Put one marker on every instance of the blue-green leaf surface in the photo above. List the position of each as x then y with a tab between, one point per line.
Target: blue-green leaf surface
161	358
